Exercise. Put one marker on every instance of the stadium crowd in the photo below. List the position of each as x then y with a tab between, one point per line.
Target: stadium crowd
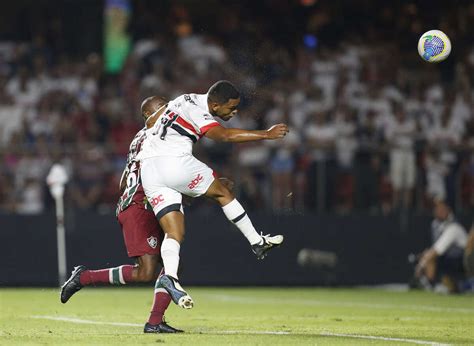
373	127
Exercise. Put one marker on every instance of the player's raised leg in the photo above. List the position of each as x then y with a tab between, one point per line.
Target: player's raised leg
81	277
236	214
167	206
144	271
172	224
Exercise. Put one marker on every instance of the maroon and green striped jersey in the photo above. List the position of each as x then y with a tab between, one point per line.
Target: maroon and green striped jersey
133	192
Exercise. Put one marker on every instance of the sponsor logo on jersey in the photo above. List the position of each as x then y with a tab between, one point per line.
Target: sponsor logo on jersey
157	200
195	182
152	241
189	99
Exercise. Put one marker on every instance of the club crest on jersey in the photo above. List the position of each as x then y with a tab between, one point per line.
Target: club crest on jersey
152	241
195	182
157	200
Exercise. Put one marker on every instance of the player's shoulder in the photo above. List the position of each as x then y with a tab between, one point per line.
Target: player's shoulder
190	100
141	132
193	105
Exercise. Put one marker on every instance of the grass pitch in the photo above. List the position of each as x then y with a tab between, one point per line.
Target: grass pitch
239	316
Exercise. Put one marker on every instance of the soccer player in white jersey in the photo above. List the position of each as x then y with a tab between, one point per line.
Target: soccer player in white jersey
168	169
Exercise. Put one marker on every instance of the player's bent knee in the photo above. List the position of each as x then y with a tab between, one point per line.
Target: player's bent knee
176	235
147	268
169	212
219	191
172	224
147	273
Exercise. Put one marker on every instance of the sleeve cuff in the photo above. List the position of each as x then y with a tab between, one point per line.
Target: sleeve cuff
206	128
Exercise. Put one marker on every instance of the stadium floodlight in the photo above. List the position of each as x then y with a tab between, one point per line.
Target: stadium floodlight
56	180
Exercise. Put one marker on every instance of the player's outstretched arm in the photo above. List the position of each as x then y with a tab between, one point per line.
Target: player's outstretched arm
222	134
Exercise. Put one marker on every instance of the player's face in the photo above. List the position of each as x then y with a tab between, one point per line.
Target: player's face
227	110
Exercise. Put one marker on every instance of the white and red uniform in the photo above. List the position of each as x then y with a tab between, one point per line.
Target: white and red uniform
168	167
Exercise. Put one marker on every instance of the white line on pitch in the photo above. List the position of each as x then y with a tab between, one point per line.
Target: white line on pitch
256	332
372	337
81	321
122	324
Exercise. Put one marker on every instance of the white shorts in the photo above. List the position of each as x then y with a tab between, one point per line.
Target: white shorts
402	169
165	178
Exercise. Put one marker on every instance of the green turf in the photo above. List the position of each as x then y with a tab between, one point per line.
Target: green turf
306	314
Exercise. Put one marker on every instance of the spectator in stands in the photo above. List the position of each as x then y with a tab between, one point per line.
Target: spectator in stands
11	114
283	158
89	178
283	163
368	164
466	170
346	146
444	136
400	134
30	175
6	188
30	199
443	261
45	82
436	171
23	88
321	135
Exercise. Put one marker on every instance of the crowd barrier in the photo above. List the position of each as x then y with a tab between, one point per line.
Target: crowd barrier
356	249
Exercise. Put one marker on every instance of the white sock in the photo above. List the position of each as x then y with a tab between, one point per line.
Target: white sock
170	255
237	215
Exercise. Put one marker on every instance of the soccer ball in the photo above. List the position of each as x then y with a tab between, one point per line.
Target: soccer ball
434	46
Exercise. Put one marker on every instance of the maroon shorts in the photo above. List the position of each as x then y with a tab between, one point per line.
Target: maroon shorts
141	231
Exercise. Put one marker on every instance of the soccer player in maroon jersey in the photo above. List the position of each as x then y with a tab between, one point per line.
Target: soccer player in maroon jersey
141	231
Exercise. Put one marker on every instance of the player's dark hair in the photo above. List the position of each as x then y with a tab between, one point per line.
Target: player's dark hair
222	91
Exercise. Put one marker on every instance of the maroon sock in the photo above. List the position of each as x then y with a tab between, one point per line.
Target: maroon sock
112	276
161	302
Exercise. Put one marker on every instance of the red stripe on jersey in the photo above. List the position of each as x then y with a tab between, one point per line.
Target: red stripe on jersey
184	132
186	125
206	128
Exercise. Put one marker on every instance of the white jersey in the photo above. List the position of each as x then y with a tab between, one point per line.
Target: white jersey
185	120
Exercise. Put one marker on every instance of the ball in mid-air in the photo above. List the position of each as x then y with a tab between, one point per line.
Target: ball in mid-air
434	46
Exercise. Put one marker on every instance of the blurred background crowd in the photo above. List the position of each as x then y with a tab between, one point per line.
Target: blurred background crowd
374	128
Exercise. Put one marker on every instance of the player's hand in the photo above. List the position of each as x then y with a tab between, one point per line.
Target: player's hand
277	131
227	183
